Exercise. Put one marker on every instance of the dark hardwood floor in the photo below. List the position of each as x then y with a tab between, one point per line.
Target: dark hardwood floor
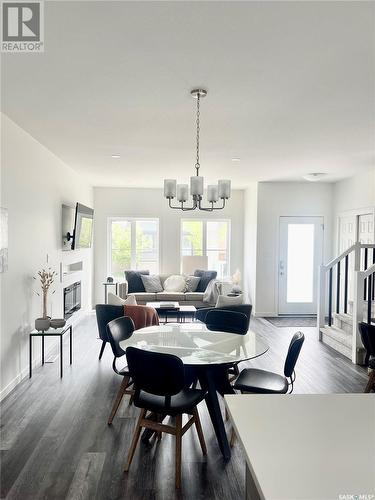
55	442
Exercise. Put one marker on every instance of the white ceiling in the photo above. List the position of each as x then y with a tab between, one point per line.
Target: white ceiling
290	89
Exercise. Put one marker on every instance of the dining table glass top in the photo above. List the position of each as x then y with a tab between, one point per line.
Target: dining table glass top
194	344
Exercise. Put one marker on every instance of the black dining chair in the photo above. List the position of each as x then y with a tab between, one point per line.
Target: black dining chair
160	388
117	330
265	382
367	332
230	321
245	309
223	320
104	314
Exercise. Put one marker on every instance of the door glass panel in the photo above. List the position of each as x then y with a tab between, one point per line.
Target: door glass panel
300	263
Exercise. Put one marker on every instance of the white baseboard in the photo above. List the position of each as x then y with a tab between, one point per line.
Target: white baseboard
265	314
25	372
52	351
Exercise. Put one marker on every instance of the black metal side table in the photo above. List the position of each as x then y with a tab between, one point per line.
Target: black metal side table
107	284
51	332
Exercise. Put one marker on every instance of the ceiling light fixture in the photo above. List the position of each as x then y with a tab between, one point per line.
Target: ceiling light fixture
236	159
315	176
222	190
116	156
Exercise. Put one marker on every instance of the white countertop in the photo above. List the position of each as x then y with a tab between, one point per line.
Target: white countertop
316	446
196	345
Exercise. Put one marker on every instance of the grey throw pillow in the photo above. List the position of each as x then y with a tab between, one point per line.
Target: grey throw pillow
152	283
205	278
192	283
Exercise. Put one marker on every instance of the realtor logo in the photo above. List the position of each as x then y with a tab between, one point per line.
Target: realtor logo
22	26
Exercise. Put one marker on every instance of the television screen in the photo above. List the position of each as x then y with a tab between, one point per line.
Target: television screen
83	227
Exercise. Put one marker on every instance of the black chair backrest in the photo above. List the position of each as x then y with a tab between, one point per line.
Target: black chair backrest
227	321
154	372
245	309
117	330
104	314
367	332
293	353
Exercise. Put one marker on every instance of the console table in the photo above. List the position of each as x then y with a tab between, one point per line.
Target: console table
51	332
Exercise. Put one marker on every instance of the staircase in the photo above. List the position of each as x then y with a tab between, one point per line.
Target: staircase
346	298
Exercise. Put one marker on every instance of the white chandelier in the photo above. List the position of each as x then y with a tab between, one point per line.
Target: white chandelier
221	190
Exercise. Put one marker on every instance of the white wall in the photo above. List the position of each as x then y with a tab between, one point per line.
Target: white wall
355	192
250	242
35	183
352	196
276	199
133	202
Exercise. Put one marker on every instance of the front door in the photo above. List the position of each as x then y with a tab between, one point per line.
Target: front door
300	255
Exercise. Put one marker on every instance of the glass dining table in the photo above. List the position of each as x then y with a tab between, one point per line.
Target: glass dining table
208	354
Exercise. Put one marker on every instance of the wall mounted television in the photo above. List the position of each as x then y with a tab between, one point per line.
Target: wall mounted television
82	237
82	232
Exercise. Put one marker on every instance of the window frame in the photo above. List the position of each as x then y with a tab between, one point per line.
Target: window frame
204	236
133	221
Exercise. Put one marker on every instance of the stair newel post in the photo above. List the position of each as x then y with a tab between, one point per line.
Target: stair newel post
358	304
338	288
330	297
346	284
357	256
364	269
322	299
369	286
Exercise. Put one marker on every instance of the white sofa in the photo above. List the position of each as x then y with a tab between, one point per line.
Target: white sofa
184	298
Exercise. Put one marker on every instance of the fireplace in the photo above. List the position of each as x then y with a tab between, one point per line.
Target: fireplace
72	299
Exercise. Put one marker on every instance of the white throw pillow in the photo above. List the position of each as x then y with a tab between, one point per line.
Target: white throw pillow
224	300
115	300
152	283
175	283
192	283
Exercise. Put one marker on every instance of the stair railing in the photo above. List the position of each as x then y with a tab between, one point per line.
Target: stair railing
326	277
334	288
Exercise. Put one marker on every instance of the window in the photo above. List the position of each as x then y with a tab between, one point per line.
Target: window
133	244
210	238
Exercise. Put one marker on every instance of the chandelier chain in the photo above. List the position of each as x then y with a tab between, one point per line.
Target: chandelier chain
197	165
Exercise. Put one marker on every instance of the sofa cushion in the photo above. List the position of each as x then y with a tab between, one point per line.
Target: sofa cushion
170	296
194	296
151	283
135	283
224	300
115	300
205	278
175	283
145	297
192	283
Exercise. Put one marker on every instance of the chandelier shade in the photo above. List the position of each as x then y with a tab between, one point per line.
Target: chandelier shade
221	190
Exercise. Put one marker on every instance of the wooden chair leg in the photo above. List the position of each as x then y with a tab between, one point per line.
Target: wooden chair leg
116	404
232	438
198	426
226	414
178	450
371	382
136	435
102	349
